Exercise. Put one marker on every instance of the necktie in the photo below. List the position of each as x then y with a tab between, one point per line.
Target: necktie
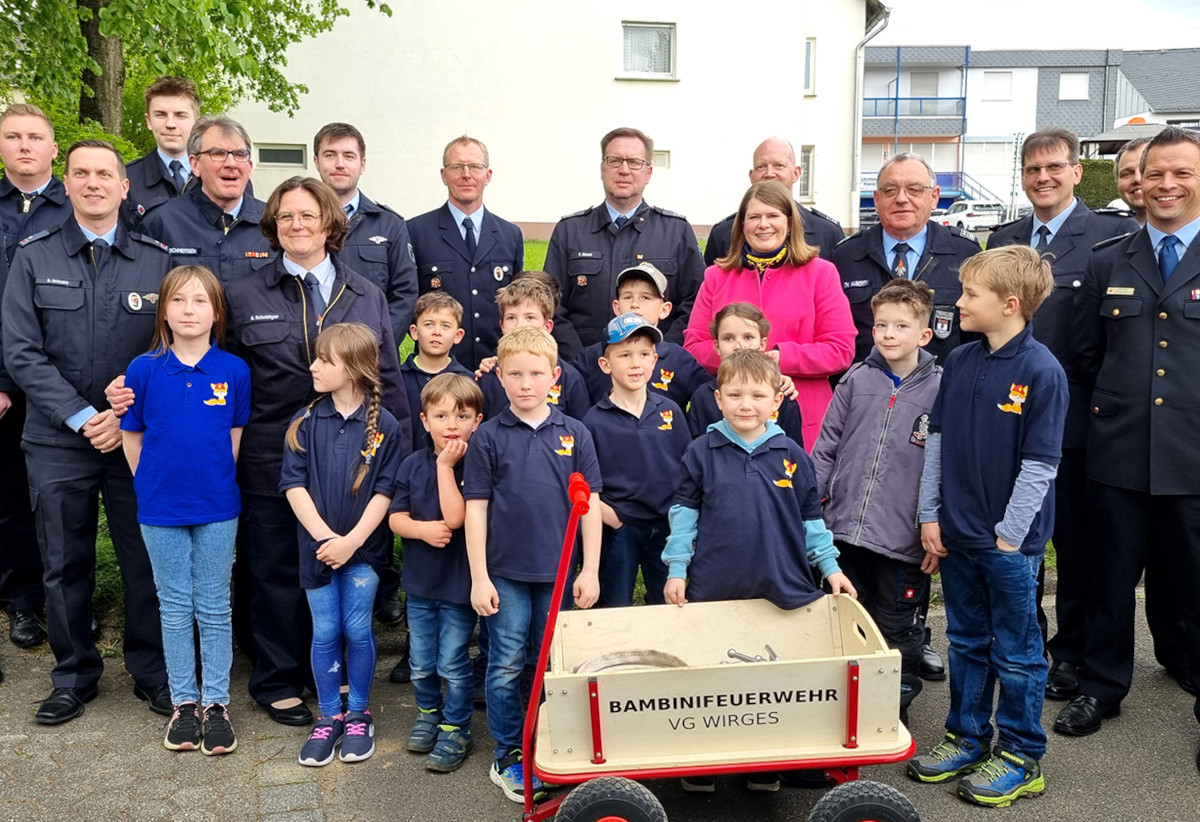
176	169
621	221
900	261
99	247
469	228
314	287
27	201
349	209
227	221
1168	257
1043	242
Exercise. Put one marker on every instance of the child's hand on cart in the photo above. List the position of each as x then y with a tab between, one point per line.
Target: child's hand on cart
839	583
485	599
673	591
586	589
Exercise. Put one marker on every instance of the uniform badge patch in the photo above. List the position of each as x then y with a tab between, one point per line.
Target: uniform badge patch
435	282
498	273
1118	291
667	418
554	393
943	324
664	379
377	239
920	430
789	468
568	446
219	389
135	301
258	255
581	281
910	593
1196	293
774	416
373	445
1017	394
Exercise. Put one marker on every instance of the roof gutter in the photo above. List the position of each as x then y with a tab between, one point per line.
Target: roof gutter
878	16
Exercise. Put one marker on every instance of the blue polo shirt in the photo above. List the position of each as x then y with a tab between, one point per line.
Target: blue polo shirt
702	412
433	573
995	409
332	451
569	394
187	413
676	374
639	457
415	381
750	539
523	472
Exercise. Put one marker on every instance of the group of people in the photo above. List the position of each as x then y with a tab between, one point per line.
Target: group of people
225	372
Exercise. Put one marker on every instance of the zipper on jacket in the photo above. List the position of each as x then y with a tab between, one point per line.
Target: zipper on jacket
887	421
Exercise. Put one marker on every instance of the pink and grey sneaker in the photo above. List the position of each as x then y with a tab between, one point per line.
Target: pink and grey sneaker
322	742
359	742
218	731
183	729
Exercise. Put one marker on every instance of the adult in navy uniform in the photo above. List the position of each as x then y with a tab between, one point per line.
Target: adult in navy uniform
1064	230
905	195
1136	334
32	199
172	106
215	224
589	248
466	250
1127	169
79	306
775	159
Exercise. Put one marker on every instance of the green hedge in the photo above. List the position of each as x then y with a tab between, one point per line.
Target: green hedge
1097	188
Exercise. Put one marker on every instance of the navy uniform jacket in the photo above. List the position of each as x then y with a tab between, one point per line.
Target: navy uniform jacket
587	253
150	186
1070	249
378	247
272	327
443	263
191	227
74	319
865	269
1136	342
820	231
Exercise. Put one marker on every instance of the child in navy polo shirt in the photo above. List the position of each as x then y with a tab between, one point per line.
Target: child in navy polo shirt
428	512
436	329
515	484
766	536
640	438
181	437
339	469
995	437
642	289
738	326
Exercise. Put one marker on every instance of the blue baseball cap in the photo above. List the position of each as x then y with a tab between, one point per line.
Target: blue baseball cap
621	327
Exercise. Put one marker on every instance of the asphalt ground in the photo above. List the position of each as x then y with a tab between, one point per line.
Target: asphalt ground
109	764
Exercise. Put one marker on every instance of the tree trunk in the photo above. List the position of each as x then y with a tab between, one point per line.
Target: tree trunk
104	103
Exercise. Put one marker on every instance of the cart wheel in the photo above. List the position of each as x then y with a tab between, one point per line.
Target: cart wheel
611	799
864	801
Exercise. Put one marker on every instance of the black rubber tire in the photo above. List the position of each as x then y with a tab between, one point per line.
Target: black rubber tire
611	796
864	801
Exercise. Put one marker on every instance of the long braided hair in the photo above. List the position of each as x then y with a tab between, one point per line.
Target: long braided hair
355	348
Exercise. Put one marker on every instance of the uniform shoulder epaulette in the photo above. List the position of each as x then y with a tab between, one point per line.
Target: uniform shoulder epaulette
579	213
35	237
1111	240
668	213
387	208
823	215
1113	212
143	238
966	235
136	161
858	233
999	226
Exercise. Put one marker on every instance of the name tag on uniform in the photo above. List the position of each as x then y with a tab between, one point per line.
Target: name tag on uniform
181	251
586	255
265	318
856	283
1116	291
57	281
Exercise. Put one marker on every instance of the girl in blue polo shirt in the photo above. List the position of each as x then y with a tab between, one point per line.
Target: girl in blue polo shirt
181	436
339	469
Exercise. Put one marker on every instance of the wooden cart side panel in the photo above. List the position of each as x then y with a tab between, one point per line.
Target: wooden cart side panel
857	634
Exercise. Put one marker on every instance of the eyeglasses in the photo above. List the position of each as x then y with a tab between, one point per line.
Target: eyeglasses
914	191
458	168
305	218
1053	169
218	155
634	163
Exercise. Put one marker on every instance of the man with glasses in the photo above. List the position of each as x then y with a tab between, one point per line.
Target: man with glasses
215	223
466	250
589	248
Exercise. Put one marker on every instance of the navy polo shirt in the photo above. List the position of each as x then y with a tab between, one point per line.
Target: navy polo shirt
569	394
433	573
702	412
415	381
333	447
639	457
676	374
995	409
523	472
187	413
750	533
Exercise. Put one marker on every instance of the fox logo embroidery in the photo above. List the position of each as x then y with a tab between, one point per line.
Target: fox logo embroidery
219	389
568	446
789	468
555	393
774	416
664	379
1017	394
667	418
373	444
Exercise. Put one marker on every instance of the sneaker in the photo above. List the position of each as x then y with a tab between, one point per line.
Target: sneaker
358	743
319	748
509	774
698	784
1002	780
762	782
218	731
183	729
953	756
424	733
453	746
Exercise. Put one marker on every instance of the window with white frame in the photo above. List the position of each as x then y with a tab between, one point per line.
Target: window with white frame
649	50
282	154
810	66
997	85
804	188
1073	85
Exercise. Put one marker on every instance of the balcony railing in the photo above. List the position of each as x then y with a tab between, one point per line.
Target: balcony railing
914	106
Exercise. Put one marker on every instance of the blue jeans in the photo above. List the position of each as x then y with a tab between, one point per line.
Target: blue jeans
524	607
621	552
192	568
992	626
341	615
439	641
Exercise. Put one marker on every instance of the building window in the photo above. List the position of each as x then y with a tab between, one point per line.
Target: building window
649	50
923	84
282	155
810	66
1073	85
997	85
660	159
804	186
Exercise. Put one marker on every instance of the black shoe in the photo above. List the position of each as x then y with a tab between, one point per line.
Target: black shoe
63	705
95	630
1180	675
1084	715
157	697
402	673
1062	682
388	610
25	628
932	667
296	715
